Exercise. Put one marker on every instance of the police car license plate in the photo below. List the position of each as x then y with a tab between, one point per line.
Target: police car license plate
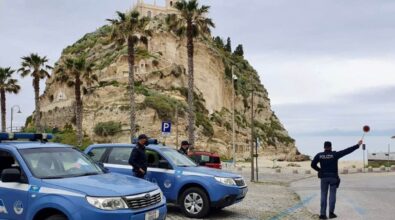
152	215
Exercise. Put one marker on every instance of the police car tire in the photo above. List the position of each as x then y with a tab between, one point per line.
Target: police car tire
56	217
206	203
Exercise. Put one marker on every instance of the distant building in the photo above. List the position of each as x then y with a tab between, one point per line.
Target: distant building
152	10
381	156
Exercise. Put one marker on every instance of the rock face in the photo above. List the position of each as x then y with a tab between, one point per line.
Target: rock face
161	95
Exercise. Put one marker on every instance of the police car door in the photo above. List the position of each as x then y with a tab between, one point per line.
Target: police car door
163	176
13	195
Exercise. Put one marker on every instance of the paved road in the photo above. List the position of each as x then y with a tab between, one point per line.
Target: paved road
360	196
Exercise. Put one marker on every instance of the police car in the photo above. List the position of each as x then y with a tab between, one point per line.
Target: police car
49	181
195	189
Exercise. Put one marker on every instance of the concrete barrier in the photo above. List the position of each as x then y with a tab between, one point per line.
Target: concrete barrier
307	172
393	168
382	168
278	170
239	169
359	170
295	172
345	171
370	169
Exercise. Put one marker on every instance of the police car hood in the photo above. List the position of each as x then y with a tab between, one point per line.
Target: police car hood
105	185
206	171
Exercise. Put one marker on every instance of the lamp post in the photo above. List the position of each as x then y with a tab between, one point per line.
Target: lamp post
234	78
12	113
252	130
389	151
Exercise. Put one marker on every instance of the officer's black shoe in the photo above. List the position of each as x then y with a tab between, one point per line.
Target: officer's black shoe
332	215
323	217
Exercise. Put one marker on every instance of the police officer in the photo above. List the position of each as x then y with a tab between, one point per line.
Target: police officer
138	158
184	148
328	173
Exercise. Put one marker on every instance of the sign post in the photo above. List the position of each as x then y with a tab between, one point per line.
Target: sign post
166	129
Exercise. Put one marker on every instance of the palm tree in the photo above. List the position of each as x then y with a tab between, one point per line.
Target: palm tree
78	73
7	84
36	67
190	22
130	28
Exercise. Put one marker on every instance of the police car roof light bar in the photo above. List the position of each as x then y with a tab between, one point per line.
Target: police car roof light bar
25	136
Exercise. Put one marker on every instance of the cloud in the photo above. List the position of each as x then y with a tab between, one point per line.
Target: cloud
345	115
354	28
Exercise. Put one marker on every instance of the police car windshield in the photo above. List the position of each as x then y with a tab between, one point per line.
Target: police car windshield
54	163
178	159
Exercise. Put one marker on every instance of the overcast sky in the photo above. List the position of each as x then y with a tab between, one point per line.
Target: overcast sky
328	65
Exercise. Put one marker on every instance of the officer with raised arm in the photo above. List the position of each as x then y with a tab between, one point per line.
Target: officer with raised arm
328	173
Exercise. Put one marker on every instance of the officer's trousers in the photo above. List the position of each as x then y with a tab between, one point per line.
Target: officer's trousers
331	184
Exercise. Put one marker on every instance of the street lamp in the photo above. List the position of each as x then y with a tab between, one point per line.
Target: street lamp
234	78
12	113
389	151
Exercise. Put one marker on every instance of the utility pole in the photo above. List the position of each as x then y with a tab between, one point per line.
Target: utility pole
257	145
176	126
252	130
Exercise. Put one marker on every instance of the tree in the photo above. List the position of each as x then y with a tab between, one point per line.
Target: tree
130	28
219	42
77	72
228	46
190	22
37	68
7	85
239	51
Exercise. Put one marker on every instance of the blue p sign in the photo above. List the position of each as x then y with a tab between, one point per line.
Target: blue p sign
166	127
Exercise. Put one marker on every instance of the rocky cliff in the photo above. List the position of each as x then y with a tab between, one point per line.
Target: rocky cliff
161	95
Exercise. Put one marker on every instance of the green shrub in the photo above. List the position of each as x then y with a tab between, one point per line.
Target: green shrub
105	129
69	137
204	121
164	106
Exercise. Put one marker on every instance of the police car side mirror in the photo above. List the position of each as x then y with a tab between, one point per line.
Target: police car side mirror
164	164
11	175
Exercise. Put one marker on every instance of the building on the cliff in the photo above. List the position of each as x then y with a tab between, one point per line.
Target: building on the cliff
154	9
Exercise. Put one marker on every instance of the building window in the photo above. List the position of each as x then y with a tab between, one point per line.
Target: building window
171	3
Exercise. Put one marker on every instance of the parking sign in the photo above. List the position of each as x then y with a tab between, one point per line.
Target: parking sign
166	127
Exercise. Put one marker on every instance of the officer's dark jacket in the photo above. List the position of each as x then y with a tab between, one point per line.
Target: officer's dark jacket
183	151
328	162
138	158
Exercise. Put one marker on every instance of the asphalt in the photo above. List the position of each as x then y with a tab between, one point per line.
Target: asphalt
360	196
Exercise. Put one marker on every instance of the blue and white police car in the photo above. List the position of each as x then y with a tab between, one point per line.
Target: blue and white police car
49	181
194	189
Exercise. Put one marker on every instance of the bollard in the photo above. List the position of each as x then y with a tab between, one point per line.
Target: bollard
382	168
308	172
370	169
278	170
295	172
345	171
359	170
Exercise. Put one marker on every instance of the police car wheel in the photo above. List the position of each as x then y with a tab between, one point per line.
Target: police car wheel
194	203
56	217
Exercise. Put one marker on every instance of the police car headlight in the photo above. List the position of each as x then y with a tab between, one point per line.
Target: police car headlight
107	203
226	181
